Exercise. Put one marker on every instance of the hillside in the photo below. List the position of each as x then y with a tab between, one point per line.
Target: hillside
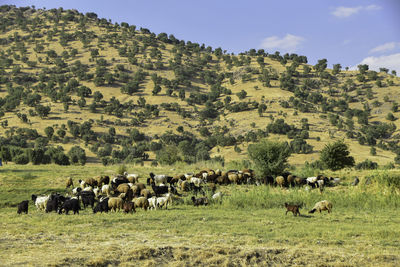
125	94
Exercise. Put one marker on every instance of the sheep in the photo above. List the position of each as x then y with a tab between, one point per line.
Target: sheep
159	178
23	207
88	189
92	182
312	181
152	202
97	191
116	181
355	182
164	201
234	178
70	204
132	177
115	203
129	207
76	191
82	184
293	208
280	180
187	176
299	181
102	205
141	202
217	197
322	205
40	202
174	191
145	193
69	183
196	181
106	189
137	188
290	179
122	188
200	201
103	180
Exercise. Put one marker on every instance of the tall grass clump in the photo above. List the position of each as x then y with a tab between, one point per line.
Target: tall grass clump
389	179
269	197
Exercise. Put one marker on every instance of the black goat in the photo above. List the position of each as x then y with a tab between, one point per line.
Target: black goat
102	205
200	201
70	204
87	198
23	207
159	190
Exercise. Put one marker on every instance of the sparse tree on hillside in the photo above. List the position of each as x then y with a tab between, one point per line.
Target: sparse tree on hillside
336	156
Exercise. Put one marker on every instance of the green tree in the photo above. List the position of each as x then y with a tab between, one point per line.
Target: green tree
49	131
242	94
336	69
336	156
168	155
77	155
269	157
42	111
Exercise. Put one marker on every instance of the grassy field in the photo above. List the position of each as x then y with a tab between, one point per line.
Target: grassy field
248	228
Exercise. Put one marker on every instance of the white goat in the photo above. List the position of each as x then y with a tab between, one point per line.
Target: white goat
152	203
164	201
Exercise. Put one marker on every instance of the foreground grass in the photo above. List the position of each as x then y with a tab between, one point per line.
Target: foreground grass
248	228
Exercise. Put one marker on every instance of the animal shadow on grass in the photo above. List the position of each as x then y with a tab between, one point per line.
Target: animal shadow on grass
305	216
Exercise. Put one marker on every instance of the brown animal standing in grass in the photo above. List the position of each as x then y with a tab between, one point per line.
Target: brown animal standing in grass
69	182
293	208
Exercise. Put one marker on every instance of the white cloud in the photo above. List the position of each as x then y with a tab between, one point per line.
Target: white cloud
373	7
385	47
344	12
391	62
289	43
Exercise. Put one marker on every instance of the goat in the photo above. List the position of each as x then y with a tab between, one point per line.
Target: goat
200	201
293	208
23	207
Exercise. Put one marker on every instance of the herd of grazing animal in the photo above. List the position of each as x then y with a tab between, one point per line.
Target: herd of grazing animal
124	192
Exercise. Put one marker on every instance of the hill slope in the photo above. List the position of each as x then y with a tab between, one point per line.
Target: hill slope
126	94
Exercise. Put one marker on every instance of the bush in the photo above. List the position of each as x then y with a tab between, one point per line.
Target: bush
269	158
336	156
168	155
77	155
367	165
21	159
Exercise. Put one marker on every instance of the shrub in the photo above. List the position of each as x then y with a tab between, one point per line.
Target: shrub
77	155
367	165
269	158
168	155
336	156
21	159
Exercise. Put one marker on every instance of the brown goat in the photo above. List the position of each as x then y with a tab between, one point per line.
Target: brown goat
69	182
293	208
129	207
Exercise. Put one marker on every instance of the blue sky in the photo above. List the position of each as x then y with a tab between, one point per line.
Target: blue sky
348	32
